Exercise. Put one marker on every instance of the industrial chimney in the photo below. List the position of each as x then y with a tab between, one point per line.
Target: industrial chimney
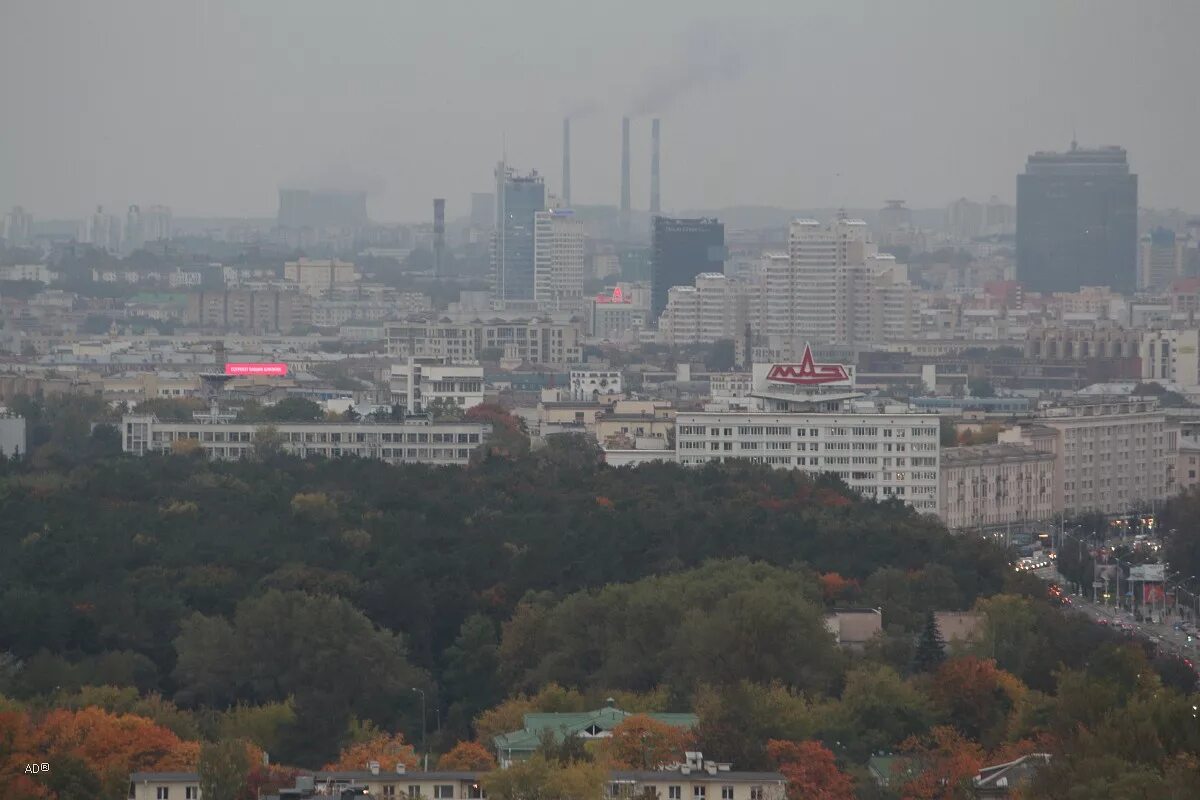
625	166
439	234
655	206
566	173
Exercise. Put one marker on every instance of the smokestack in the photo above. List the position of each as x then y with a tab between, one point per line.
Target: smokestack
625	165
566	174
654	199
439	234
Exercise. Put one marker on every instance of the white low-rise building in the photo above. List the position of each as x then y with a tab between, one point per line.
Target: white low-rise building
595	384
879	455
411	442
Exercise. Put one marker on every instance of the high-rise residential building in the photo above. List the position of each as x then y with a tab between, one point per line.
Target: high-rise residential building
156	224
135	234
483	210
964	218
1161	259
1077	220
18	227
558	260
999	218
713	308
895	216
681	249
322	208
519	198
103	231
835	288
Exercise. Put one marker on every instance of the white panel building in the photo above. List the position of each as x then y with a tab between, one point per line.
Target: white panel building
558	260
879	455
419	382
412	442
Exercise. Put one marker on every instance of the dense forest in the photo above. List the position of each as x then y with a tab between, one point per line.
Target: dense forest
307	607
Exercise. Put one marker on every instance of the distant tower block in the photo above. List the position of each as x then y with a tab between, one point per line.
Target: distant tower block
566	167
439	234
655	204
625	205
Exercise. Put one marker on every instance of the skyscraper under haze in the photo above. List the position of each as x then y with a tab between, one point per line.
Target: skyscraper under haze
518	199
681	249
1077	221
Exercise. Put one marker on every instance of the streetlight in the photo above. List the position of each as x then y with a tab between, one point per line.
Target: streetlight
424	749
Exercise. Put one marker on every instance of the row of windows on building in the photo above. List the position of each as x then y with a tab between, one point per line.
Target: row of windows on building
784	430
320	438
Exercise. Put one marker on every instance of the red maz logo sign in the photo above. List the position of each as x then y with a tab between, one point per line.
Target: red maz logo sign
806	373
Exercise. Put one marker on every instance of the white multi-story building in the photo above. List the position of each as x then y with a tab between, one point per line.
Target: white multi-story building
409	442
558	260
878	455
1162	258
28	272
156	224
420	382
536	341
617	316
316	277
1171	356
996	485
835	288
1111	453
18	227
595	384
716	307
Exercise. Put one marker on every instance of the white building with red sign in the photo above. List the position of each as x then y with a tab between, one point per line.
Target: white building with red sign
805	418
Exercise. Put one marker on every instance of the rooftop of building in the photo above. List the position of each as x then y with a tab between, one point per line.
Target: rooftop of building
1000	452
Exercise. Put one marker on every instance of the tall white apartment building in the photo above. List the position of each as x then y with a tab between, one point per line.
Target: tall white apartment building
878	455
835	288
715	307
1110	452
558	260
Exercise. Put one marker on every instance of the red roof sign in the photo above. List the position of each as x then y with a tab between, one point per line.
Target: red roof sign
807	373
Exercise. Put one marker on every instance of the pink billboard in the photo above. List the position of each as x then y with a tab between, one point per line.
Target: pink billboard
276	370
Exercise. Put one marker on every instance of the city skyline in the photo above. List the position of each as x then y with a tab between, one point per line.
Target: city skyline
936	108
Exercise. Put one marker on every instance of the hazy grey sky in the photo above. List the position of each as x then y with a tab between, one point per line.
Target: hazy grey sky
210	106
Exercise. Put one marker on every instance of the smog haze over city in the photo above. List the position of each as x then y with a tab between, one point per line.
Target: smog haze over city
622	400
210	106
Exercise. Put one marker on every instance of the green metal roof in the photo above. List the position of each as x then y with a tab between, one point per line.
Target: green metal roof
573	723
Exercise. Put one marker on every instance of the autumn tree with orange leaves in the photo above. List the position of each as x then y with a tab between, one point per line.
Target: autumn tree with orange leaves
642	742
811	771
387	750
942	764
466	757
977	696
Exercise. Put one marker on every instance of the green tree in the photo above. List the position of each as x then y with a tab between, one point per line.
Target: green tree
470	670
70	778
223	768
931	647
443	409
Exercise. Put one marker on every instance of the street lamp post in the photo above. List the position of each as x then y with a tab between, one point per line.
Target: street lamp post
424	749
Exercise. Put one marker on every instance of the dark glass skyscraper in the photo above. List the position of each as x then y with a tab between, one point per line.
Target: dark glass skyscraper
681	249
1077	221
518	198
